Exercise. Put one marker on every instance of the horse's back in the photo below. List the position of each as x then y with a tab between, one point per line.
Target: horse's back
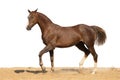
68	36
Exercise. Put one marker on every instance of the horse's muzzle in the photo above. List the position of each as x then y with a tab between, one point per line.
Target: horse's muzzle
28	28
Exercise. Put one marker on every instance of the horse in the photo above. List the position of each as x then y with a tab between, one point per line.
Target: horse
53	35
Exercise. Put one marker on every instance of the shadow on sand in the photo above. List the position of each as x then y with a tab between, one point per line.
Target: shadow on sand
70	70
39	71
29	71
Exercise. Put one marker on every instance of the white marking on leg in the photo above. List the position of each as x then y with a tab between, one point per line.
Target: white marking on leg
82	61
95	68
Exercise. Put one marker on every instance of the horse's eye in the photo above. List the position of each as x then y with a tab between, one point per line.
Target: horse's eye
30	17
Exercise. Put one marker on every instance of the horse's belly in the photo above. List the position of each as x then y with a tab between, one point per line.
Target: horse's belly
67	42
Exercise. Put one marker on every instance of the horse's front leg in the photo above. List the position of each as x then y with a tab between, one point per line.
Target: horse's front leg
52	60
46	49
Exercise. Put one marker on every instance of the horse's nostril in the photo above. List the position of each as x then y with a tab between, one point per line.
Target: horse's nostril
28	28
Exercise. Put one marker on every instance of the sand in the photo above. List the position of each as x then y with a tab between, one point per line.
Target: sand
29	73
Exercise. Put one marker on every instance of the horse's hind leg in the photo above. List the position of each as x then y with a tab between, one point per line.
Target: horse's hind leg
95	56
82	47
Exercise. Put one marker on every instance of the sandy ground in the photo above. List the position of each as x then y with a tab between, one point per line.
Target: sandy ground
59	74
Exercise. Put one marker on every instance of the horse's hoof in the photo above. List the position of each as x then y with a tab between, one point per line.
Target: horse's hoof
80	69
44	70
93	72
52	70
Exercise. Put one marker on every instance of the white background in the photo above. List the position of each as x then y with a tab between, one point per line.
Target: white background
20	48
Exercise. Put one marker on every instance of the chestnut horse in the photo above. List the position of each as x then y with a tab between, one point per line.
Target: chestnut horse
54	36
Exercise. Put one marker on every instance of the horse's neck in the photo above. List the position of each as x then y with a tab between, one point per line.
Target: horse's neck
44	22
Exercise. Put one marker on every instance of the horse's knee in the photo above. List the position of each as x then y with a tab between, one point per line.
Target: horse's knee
40	54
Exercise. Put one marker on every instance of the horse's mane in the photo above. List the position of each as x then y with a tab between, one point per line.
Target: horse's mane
44	18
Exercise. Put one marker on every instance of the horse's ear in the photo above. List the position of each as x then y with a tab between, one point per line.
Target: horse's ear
29	11
36	10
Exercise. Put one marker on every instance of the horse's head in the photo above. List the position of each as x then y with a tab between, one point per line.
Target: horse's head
32	19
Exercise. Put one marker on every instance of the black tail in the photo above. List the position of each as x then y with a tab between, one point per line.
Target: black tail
101	35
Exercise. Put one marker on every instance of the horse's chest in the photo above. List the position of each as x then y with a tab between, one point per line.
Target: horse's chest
47	38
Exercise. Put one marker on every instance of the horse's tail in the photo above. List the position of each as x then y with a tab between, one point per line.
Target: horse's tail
101	35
